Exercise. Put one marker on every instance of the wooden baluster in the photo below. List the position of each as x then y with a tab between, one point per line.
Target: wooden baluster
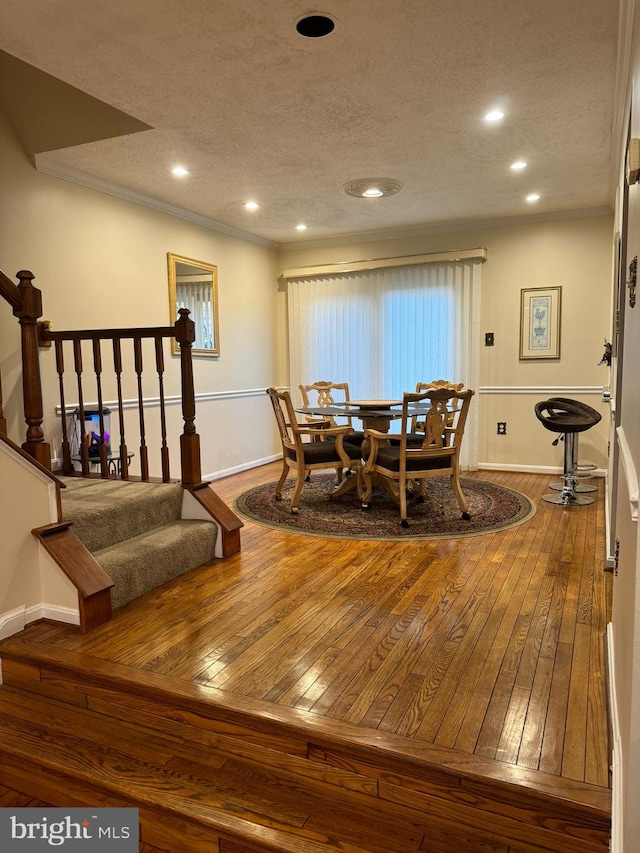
77	363
67	465
164	451
117	366
3	422
102	447
144	460
28	313
189	440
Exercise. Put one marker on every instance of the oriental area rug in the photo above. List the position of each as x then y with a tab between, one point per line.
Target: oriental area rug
491	507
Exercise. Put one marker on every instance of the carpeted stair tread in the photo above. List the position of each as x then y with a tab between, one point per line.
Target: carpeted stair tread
105	512
156	556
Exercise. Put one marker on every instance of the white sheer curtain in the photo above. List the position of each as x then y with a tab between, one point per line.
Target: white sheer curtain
383	330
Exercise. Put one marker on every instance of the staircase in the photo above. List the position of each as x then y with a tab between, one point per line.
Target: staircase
213	771
135	532
113	541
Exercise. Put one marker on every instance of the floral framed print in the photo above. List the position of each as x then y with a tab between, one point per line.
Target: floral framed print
540	313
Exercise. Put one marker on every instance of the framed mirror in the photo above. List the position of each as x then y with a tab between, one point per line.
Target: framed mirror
194	285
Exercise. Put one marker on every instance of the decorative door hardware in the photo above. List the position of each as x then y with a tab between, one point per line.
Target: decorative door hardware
631	281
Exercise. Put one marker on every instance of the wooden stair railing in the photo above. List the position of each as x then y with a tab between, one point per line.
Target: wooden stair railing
3	420
184	332
26	301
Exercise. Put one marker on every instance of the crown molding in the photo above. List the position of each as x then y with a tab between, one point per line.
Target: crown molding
446	228
48	166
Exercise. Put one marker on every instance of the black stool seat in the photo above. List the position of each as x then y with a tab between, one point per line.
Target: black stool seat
559	414
568	417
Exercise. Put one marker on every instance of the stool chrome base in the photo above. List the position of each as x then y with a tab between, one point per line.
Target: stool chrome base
568	499
579	487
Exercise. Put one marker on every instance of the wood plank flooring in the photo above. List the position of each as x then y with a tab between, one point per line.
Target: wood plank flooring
490	645
14	799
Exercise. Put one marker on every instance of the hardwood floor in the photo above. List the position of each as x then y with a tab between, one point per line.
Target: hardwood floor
490	646
14	799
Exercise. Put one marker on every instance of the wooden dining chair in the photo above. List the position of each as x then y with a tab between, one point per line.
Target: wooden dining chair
325	394
417	424
405	464
302	456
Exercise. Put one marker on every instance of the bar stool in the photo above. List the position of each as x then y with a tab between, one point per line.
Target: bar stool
569	418
578	471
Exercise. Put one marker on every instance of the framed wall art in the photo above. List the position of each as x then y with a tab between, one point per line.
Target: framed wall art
540	314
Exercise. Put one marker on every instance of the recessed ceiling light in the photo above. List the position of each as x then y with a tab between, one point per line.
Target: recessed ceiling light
493	116
533	197
315	26
518	165
179	171
373	187
301	227
251	205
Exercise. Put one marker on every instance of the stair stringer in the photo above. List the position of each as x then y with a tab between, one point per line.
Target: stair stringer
82	569
201	502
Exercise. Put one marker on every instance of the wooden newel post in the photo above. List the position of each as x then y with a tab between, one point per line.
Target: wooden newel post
189	440
28	313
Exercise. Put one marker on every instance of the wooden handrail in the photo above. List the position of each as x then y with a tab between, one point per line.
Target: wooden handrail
10	291
183	331
3	420
47	335
39	467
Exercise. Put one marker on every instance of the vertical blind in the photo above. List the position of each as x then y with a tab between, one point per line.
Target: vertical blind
196	295
383	330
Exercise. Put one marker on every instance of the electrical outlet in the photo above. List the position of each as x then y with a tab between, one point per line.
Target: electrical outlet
502	427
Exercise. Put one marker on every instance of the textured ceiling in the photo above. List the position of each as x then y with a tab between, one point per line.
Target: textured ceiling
255	111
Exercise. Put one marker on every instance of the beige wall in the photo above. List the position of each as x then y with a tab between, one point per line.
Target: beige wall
19	580
100	262
575	254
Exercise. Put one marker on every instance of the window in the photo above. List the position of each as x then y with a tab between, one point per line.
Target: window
383	330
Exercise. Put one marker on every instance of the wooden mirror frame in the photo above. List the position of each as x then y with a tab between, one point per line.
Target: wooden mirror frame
173	262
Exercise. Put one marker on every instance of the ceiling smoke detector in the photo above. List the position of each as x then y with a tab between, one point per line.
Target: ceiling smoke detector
315	26
373	187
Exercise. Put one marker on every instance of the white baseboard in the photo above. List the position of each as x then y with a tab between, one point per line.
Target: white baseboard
15	620
52	611
12	621
616	759
246	466
482	466
531	469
